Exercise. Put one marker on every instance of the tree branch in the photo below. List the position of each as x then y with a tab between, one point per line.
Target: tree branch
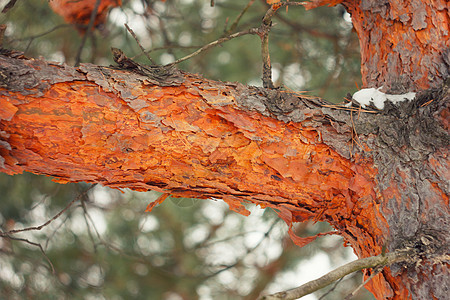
191	138
263	32
213	44
357	265
13	231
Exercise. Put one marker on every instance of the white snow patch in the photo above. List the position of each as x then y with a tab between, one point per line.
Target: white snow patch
372	95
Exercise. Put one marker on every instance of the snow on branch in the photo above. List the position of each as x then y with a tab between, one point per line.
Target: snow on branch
374	96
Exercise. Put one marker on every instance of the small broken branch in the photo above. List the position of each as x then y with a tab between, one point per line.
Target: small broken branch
263	32
139	43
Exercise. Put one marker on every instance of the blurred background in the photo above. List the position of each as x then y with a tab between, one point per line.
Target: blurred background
103	245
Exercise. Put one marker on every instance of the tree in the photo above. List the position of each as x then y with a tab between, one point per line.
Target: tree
378	177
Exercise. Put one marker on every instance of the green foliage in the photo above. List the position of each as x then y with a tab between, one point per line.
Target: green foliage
105	246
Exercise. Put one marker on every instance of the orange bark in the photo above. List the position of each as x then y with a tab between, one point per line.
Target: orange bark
191	141
79	12
198	139
403	43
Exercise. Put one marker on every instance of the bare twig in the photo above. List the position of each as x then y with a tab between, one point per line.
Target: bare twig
374	273
357	265
343	107
139	44
50	236
248	251
87	218
33	37
331	289
88	32
167	47
31	243
213	44
238	18
51	220
267	66
263	32
9	234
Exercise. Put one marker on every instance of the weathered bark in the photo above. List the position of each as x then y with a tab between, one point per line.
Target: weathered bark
385	186
404	44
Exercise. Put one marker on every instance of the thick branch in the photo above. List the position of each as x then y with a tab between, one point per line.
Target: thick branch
192	138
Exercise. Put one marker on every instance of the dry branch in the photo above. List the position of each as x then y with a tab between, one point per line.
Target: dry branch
327	279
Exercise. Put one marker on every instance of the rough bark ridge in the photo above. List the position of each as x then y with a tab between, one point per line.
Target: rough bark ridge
201	138
410	150
404	44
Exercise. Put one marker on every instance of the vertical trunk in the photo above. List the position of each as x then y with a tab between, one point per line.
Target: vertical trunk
404	44
405	47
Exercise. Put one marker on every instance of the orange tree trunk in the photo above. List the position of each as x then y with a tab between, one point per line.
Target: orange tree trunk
379	179
404	44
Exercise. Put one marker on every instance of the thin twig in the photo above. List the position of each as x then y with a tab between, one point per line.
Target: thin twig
86	217
238	18
139	44
88	32
267	66
263	32
331	289
374	273
248	251
31	243
215	43
357	265
168	47
51	220
354	132
32	37
49	237
334	106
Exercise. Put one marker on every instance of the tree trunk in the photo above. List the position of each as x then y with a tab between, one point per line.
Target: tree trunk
405	47
379	178
404	44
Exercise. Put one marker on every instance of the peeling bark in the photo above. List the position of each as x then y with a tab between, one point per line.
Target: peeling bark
380	179
404	44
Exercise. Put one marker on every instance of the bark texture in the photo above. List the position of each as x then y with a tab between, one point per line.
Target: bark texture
405	45
379	178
